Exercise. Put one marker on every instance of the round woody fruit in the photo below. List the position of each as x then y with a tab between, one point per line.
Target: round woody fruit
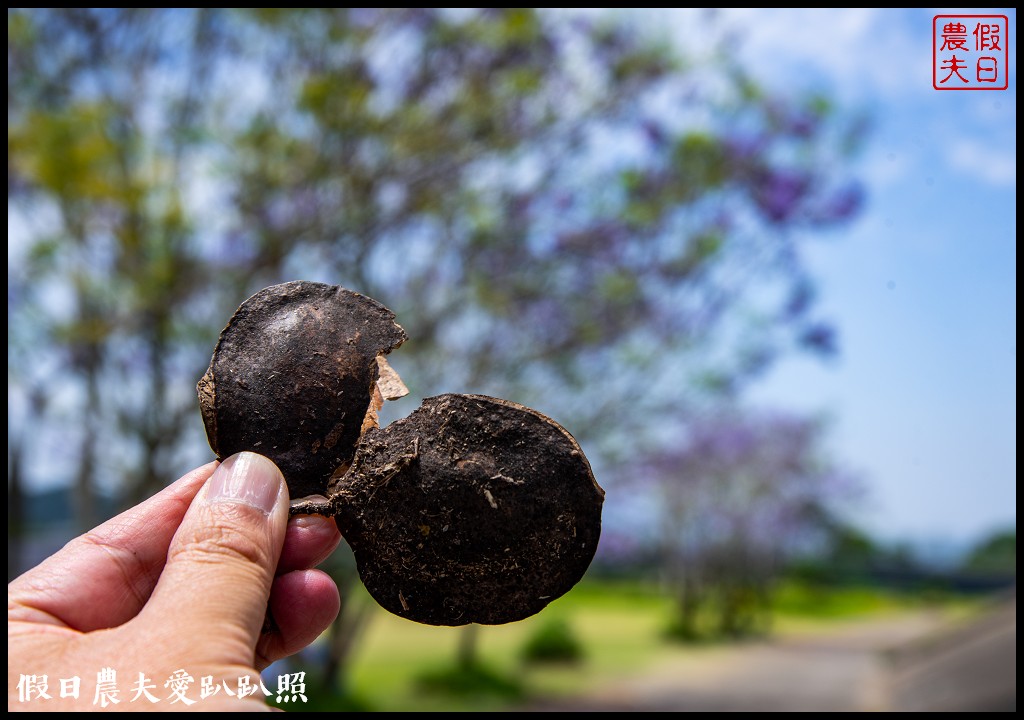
471	510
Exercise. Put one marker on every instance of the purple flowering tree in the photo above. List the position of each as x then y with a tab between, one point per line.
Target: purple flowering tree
738	494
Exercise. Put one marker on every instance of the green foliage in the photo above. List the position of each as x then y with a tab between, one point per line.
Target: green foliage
553	642
813	600
738	612
994	554
321	698
474	680
850	557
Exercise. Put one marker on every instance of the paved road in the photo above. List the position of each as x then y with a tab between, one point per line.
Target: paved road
900	662
968	667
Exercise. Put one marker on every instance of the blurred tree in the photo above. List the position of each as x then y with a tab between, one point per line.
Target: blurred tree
110	272
738	495
995	554
561	210
847	555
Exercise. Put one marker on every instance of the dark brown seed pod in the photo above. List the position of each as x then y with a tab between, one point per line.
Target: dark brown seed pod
470	510
293	378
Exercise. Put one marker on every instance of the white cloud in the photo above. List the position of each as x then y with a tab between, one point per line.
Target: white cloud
859	52
991	164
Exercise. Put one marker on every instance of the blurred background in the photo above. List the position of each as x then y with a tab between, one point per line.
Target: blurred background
752	260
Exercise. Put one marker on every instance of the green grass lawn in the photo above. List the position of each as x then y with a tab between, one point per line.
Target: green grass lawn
620	625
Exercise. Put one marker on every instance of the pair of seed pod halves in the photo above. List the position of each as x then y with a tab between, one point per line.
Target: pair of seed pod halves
470	510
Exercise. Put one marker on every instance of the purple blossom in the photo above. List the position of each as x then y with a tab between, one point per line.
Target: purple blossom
820	338
841	205
743	149
779	193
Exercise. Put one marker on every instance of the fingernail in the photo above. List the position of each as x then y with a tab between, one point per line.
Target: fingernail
246	478
316	522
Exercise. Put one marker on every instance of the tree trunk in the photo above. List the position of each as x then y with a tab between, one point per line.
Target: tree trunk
15	506
689	609
346	629
468	646
86	515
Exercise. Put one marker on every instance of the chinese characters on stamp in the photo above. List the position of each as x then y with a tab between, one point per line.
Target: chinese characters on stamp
970	52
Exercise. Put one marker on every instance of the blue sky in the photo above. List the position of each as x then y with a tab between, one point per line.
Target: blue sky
923	286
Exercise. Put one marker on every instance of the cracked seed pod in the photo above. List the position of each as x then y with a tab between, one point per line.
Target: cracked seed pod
471	510
294	376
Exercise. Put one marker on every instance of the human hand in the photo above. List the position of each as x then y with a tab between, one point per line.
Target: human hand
183	581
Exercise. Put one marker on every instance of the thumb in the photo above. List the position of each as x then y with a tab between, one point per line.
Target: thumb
221	562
